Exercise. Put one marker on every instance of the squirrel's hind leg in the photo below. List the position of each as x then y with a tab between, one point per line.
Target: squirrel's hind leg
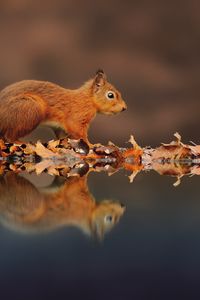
21	115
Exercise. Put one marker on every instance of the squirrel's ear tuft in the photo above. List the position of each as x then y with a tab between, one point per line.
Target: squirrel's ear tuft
99	79
100	71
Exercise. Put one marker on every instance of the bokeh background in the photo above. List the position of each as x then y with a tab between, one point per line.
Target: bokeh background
149	50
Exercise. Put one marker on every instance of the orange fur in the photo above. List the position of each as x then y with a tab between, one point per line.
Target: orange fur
26	104
25	208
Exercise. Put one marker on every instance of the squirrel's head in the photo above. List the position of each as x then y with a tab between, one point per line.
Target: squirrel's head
105	216
107	99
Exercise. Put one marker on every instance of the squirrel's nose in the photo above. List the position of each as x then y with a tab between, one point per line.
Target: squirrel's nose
124	108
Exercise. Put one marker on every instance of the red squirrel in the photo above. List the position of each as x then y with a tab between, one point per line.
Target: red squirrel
26	104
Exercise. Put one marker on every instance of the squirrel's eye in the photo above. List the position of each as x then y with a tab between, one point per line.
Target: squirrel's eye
108	219
110	95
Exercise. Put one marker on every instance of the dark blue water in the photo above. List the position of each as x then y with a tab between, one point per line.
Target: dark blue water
151	253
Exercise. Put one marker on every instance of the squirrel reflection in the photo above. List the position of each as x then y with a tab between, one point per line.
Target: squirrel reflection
25	208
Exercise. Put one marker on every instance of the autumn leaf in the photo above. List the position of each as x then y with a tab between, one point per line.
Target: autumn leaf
43	151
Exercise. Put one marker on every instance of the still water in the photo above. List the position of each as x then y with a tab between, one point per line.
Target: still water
143	242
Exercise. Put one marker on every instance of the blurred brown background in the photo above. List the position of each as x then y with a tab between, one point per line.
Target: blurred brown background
149	50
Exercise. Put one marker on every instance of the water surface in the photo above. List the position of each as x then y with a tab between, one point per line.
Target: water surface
152	252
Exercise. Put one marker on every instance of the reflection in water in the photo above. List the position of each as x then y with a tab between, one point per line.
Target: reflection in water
25	208
68	202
